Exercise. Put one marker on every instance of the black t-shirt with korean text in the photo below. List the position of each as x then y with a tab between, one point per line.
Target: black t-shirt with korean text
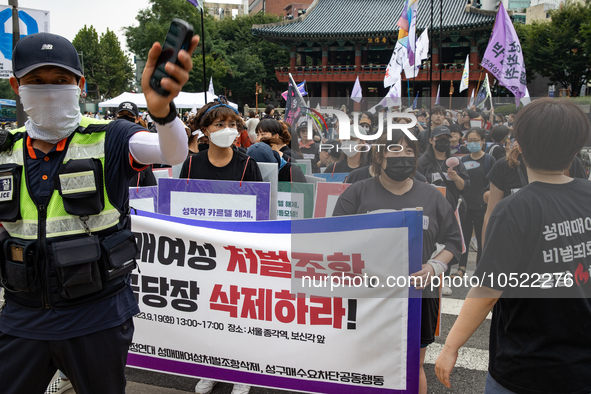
539	240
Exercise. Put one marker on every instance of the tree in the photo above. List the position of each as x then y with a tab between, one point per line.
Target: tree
108	71
235	58
559	49
116	70
6	91
86	43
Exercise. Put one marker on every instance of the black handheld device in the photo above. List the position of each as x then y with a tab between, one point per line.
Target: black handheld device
178	37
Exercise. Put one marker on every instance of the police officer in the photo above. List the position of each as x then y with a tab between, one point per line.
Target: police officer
67	248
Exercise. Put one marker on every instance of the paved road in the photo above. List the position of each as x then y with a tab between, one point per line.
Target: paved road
468	376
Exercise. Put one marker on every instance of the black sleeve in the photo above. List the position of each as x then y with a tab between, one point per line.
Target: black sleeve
184	169
495	175
253	173
577	170
348	202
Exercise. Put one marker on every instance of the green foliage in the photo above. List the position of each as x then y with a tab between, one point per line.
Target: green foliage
116	69
86	43
560	49
235	58
108	71
6	91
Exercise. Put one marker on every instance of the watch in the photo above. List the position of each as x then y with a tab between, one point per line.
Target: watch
168	118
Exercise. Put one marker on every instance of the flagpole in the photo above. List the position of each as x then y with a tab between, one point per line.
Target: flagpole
478	86
203	53
440	41
431	61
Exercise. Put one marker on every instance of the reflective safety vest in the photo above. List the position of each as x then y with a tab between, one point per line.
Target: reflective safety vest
51	228
58	222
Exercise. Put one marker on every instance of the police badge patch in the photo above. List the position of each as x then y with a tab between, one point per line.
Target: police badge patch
6	183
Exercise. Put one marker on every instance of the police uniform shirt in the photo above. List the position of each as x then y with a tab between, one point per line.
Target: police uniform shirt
50	324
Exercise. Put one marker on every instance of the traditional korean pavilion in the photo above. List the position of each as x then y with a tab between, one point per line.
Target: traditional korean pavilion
336	41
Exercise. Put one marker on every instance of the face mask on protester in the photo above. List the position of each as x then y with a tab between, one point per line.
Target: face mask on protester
473	146
202	146
348	147
442	144
399	168
54	112
223	138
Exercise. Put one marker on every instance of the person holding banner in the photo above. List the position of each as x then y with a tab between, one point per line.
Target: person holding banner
394	188
70	250
539	339
219	122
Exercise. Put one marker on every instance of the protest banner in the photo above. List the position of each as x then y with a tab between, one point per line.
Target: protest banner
338	177
306	167
144	198
295	200
162	173
327	195
314	179
214	200
216	302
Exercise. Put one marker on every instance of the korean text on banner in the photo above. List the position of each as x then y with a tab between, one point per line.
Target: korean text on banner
213	294
503	56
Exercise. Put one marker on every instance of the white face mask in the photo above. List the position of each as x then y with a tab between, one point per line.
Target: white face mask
348	147
54	112
223	138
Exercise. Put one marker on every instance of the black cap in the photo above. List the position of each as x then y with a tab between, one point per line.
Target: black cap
303	126
128	106
334	151
44	49
439	130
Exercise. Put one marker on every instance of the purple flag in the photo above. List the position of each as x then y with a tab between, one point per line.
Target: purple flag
503	56
196	3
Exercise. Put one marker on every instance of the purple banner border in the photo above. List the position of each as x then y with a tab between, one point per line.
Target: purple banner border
261	190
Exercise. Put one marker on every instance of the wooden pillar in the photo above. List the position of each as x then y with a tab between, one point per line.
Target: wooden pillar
358	57
302	56
324	96
292	59
325	55
474	57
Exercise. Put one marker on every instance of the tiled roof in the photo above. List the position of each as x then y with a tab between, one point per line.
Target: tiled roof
359	18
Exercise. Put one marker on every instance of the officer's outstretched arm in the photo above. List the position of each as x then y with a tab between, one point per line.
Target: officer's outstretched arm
169	145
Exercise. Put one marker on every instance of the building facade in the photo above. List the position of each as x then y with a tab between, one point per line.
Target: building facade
221	9
278	7
336	41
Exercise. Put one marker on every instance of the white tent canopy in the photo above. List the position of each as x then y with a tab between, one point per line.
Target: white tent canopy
183	100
